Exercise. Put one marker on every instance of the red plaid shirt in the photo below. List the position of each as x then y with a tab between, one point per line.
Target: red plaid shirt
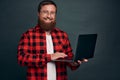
32	53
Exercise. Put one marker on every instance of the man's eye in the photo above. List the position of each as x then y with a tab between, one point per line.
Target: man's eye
45	12
52	12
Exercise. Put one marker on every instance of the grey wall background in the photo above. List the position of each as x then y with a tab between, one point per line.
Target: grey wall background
75	17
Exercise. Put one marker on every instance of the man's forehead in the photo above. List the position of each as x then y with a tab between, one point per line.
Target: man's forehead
48	6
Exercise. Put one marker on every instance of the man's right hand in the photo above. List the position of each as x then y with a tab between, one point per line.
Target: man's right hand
58	55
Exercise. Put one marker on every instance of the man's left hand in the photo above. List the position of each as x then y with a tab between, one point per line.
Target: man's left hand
78	62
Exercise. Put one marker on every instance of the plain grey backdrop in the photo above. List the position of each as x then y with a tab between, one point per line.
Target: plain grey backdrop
75	17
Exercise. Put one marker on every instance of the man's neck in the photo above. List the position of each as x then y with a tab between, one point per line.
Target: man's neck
48	32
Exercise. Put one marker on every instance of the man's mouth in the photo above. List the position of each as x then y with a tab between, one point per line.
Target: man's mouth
48	19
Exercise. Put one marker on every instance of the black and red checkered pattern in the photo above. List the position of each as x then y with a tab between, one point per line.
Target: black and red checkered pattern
32	53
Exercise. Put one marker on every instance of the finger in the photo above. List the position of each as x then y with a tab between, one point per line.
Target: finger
61	55
58	53
79	62
74	63
85	60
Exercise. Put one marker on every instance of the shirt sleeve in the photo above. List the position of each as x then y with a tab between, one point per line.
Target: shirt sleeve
26	58
69	53
67	47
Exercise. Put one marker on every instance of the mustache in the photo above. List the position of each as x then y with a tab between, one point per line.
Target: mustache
48	18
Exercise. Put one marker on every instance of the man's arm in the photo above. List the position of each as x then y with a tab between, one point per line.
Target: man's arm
75	65
26	58
72	65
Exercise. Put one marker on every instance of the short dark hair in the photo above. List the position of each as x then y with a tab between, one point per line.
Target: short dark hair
46	2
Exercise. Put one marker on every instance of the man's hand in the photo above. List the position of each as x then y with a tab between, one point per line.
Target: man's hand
78	62
58	55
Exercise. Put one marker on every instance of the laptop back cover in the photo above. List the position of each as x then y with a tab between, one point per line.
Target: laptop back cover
85	46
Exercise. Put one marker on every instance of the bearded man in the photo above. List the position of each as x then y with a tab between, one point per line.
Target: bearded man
41	45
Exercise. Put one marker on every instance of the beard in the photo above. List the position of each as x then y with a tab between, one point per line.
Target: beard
46	26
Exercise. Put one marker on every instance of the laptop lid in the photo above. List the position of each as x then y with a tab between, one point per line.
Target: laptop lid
85	46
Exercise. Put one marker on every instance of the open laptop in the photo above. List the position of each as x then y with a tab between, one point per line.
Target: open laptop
85	47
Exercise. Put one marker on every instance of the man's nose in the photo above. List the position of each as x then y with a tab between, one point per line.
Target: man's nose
49	15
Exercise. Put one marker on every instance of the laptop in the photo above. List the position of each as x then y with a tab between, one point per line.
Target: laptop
85	48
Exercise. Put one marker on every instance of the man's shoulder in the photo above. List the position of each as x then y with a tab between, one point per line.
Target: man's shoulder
61	31
30	30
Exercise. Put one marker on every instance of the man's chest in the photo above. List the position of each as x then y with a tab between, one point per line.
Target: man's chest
38	43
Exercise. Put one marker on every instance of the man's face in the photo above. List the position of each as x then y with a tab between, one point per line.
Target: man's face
47	17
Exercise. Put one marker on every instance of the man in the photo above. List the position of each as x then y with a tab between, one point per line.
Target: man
39	46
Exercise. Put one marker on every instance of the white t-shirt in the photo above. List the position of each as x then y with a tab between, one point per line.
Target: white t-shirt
51	68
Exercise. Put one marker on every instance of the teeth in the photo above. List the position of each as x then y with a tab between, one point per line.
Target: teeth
47	19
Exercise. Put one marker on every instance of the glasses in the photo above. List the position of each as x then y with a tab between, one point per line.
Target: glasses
47	13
